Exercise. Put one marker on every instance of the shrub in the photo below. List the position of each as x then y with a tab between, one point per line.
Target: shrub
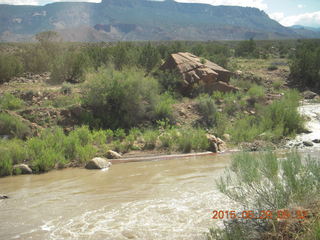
13	126
150	139
262	181
246	49
5	163
256	92
10	102
207	109
192	139
10	66
163	108
169	80
120	99
283	114
70	67
36	59
305	64
272	67
149	57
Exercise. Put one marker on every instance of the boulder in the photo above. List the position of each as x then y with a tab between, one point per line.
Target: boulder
22	168
3	197
113	155
98	163
307	143
223	87
316	140
216	144
309	95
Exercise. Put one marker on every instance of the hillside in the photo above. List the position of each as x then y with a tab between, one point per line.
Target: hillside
126	20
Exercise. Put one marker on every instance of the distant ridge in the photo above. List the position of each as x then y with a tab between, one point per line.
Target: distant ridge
136	20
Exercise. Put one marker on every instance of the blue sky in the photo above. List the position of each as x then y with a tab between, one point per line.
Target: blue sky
287	12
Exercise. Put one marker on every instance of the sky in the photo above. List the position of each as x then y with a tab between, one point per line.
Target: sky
286	12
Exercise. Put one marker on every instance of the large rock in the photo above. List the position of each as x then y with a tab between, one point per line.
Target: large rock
98	163
307	143
22	169
194	70
309	95
223	87
316	140
216	144
3	197
113	155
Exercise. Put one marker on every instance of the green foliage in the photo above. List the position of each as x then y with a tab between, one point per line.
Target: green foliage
150	139
10	66
13	126
149	57
36	58
170	81
163	108
10	102
6	165
192	139
283	116
305	64
246	49
262	181
207	109
70	67
273	122
120	99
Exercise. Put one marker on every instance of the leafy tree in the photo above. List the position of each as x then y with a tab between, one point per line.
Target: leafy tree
149	57
305	65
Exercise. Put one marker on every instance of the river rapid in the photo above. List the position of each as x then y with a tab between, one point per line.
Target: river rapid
170	199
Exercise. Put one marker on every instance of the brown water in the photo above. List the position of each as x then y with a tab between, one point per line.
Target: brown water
170	199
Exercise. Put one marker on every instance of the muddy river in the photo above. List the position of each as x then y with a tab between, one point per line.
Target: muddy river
169	199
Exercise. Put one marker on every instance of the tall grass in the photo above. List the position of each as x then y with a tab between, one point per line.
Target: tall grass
264	182
10	102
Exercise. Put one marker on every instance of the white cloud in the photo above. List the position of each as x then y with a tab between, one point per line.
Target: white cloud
243	3
278	16
306	19
300	6
40	2
20	2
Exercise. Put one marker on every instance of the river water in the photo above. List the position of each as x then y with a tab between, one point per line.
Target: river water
170	199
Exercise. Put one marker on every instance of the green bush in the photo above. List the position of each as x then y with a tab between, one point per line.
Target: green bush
6	165
283	115
246	49
10	102
36	59
305	64
192	139
150	139
262	181
163	108
120	99
170	81
10	66
70	67
149	57
13	126
207	109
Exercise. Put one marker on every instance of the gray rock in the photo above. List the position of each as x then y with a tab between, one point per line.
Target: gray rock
22	168
316	140
98	163
309	95
307	143
3	197
113	155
